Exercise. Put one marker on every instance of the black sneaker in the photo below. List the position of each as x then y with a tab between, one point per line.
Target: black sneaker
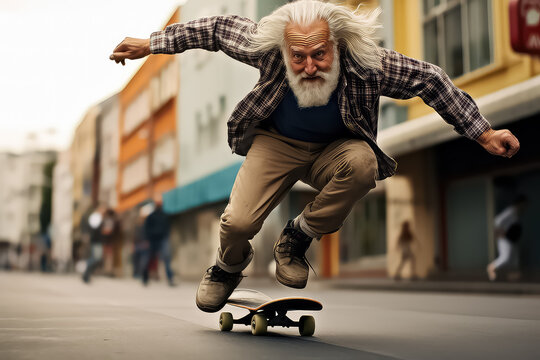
215	288
292	267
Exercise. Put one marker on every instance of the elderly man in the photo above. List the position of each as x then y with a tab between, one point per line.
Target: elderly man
312	116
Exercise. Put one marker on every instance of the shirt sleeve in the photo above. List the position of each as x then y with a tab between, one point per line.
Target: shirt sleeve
505	219
229	34
404	78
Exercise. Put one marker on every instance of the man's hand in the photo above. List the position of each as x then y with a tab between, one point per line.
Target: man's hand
499	142
131	48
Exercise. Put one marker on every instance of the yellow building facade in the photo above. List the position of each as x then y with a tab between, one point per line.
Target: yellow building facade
446	187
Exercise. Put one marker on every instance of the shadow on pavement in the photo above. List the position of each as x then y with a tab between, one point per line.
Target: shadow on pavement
237	344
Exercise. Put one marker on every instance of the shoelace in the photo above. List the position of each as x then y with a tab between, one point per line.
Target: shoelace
217	274
298	244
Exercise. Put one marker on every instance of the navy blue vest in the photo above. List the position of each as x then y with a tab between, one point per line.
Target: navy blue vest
320	124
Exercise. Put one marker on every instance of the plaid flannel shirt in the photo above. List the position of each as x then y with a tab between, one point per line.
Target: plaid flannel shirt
359	88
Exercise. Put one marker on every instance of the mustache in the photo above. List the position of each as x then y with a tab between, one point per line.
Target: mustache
318	74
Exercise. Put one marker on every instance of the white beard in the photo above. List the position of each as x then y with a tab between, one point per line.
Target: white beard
313	93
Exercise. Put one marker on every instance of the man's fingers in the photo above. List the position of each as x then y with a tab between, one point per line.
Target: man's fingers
119	56
511	144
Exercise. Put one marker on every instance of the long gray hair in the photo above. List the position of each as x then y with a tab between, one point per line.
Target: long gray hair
353	30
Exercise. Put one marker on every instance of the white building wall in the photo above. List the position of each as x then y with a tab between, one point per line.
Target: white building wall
62	211
10	190
109	153
21	186
211	84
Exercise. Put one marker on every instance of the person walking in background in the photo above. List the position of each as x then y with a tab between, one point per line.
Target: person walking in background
140	243
111	232
157	228
405	241
46	258
92	228
508	230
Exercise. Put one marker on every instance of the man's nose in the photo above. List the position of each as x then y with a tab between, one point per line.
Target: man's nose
310	68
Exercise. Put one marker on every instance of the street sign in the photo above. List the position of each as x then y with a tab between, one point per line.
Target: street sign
525	26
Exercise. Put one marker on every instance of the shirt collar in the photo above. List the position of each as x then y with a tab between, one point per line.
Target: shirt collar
352	68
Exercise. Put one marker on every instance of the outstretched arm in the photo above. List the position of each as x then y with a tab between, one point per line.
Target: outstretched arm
229	34
404	78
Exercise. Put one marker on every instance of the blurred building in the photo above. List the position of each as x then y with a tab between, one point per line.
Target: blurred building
108	142
83	166
62	213
22	187
148	150
10	214
448	187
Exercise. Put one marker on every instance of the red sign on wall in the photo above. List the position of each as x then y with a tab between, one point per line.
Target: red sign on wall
525	26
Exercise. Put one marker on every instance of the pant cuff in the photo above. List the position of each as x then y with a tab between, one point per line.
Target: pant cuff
236	267
300	221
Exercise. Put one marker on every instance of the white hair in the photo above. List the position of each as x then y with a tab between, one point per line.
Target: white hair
353	30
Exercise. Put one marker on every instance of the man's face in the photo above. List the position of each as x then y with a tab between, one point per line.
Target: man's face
310	49
310	56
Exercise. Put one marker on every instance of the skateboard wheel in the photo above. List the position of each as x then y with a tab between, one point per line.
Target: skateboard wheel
225	321
307	325
258	324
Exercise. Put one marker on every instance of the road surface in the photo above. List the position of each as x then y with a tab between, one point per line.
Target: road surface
59	317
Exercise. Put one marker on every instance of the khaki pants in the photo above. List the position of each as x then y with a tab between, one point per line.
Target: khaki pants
343	171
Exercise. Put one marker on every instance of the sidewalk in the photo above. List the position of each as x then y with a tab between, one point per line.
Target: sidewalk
386	284
484	287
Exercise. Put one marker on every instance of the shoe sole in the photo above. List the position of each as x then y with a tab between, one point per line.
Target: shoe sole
212	309
287	282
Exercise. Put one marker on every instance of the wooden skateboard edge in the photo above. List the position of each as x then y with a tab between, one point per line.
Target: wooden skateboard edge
275	301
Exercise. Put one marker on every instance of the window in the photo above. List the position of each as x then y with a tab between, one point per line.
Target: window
163	156
458	35
135	174
391	114
137	112
164	86
364	231
208	124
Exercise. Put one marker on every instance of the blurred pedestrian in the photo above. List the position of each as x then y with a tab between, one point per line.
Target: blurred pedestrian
46	258
92	227
141	245
508	230
312	117
405	241
157	230
111	232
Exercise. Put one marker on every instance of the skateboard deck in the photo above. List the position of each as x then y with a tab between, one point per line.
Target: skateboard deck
265	311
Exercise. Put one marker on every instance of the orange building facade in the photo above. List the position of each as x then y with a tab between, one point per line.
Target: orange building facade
147	128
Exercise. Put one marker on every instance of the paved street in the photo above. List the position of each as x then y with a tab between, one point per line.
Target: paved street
58	317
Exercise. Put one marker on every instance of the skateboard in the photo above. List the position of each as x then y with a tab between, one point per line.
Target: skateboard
265	311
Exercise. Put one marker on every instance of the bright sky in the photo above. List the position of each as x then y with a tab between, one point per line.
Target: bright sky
54	62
